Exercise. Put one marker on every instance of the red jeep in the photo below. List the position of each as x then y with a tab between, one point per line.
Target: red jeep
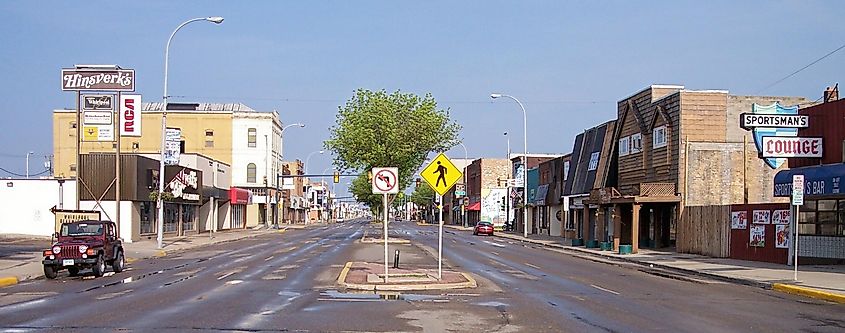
82	245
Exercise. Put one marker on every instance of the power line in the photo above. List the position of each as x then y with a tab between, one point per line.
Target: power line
19	175
306	100
801	69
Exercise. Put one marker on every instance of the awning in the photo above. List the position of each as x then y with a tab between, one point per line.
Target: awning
818	180
239	196
475	206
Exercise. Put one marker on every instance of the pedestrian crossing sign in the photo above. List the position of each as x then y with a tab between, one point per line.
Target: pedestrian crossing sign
441	174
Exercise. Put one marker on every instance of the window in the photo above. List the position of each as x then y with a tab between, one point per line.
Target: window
594	162
658	137
636	143
624	145
250	173
252	135
822	217
209	138
565	170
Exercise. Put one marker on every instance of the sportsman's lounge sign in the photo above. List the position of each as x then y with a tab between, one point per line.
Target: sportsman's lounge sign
775	130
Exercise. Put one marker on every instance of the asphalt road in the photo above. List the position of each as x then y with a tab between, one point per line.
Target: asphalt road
286	282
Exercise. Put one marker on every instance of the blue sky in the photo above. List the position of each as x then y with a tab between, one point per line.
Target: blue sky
569	62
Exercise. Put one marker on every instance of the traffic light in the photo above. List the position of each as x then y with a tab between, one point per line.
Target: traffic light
336	177
265	180
370	175
418	181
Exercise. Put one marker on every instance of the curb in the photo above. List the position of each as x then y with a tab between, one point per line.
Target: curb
809	292
341	280
8	281
742	281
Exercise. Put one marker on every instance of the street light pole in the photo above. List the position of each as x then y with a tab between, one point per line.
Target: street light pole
27	163
159	201
463	209
524	162
279	204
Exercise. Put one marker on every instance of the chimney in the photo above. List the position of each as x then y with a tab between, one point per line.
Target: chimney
831	94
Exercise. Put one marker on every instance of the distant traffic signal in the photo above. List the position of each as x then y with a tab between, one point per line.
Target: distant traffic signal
418	181
336	177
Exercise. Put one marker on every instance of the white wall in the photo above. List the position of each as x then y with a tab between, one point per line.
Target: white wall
555	225
266	153
108	211
25	205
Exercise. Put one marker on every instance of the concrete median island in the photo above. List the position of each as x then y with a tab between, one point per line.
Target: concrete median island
370	276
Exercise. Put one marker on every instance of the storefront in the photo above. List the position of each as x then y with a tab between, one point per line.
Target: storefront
239	198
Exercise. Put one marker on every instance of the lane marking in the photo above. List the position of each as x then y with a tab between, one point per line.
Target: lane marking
268	258
603	289
494	253
226	275
533	266
494	244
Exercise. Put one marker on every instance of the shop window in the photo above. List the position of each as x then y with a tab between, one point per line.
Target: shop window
147	217
171	216
659	137
250	173
636	143
252	138
594	162
822	217
624	146
188	216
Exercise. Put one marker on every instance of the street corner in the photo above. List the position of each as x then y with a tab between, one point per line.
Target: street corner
379	240
160	253
8	281
370	277
809	292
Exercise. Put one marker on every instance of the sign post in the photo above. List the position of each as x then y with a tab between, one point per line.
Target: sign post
441	174
385	181
797	201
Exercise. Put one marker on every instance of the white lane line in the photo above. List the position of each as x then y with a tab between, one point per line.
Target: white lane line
349	300
603	289
533	266
268	258
494	244
226	275
494	253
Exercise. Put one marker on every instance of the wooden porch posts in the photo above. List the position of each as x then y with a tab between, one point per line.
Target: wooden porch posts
617	227
635	228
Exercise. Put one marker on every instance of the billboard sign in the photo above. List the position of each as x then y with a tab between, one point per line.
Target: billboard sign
97	102
98	79
130	115
772	120
172	146
97	123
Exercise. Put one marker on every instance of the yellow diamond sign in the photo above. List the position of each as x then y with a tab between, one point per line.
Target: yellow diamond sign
441	174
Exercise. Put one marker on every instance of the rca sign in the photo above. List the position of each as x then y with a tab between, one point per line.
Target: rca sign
130	115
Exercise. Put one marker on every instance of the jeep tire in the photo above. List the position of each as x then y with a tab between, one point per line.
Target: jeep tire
99	266
51	272
118	262
73	271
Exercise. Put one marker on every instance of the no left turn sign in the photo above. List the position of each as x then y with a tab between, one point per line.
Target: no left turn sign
385	180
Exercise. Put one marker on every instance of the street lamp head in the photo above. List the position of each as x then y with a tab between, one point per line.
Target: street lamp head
495	95
506	133
214	19
300	125
322	151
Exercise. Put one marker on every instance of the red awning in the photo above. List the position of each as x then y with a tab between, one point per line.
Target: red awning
475	206
239	196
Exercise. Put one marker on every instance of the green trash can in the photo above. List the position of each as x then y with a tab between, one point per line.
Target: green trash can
578	242
592	244
626	249
606	246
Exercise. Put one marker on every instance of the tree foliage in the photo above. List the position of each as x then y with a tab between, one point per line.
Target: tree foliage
380	129
422	195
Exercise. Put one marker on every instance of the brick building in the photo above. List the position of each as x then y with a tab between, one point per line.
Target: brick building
486	190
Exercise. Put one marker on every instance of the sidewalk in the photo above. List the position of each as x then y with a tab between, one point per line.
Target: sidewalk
819	281
20	255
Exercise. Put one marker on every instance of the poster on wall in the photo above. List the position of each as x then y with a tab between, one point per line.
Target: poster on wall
782	236
757	236
739	220
780	216
762	217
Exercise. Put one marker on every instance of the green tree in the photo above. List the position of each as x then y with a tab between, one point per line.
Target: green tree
377	129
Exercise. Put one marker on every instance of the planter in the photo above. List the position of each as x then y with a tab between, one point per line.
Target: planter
578	242
606	246
626	249
592	244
